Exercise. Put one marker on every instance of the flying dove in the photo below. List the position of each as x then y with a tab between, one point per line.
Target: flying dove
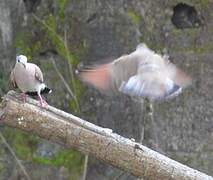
142	73
29	79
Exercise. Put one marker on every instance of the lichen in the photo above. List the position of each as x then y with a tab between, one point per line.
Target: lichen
61	5
22	46
193	32
134	17
204	3
25	45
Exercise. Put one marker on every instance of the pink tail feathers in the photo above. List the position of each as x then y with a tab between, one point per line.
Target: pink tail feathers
98	76
182	79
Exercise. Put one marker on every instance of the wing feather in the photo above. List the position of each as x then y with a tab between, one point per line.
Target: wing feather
140	73
38	74
12	80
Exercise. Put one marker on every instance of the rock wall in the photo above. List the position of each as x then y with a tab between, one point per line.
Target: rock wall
98	30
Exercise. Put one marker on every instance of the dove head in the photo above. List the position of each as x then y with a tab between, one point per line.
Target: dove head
22	60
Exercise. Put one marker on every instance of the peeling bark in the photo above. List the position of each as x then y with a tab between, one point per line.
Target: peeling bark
72	132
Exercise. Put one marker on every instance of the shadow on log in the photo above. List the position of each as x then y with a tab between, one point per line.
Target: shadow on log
72	132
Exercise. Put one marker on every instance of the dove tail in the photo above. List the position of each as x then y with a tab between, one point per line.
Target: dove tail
46	90
98	76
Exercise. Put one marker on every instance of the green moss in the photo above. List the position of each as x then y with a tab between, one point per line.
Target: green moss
47	66
50	37
61	5
193	32
67	158
134	17
23	143
26	45
197	3
70	159
150	42
50	27
53	36
79	90
25	146
196	49
203	49
22	46
204	3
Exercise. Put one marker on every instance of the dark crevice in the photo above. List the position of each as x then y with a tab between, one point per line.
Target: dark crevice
92	18
31	5
48	52
185	16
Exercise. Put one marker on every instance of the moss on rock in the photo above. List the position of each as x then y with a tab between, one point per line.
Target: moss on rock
134	17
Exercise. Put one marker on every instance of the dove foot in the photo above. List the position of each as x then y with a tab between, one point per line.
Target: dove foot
23	97
43	103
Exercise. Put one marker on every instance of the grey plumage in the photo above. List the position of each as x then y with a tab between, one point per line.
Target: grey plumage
141	73
28	77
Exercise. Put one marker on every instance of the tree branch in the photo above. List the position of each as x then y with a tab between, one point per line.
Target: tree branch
72	132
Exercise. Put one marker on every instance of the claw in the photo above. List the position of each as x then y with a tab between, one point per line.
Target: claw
23	97
42	102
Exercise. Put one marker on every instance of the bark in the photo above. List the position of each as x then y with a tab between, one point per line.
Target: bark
72	132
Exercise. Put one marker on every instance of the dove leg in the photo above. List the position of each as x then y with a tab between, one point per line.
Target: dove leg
23	97
42	102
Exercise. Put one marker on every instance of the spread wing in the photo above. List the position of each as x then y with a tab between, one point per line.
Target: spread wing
122	69
155	80
110	76
142	73
153	85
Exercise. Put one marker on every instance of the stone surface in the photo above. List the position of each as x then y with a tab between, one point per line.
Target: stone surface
102	30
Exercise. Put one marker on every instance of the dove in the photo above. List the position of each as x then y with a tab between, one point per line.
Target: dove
142	73
29	79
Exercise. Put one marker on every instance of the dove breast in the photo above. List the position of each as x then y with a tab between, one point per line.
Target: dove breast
26	77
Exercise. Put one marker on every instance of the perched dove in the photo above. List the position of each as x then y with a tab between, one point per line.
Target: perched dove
142	73
29	79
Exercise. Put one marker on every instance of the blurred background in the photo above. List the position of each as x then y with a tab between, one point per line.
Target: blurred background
60	35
